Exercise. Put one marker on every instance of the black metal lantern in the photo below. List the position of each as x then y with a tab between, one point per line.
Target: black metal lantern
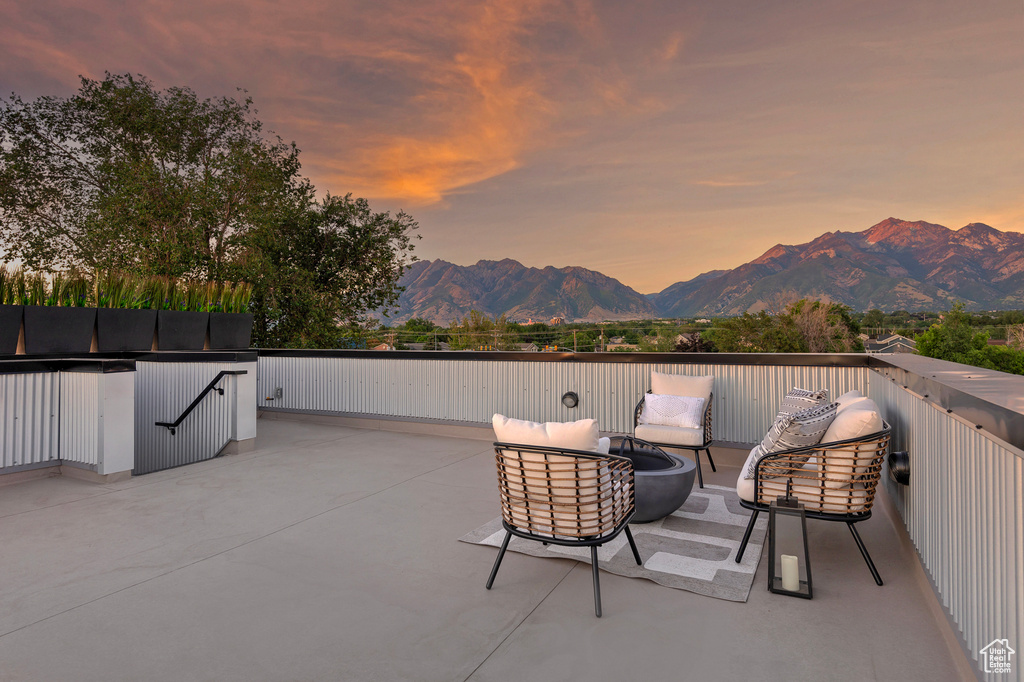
789	568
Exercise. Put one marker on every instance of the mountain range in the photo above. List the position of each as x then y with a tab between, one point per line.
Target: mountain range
894	265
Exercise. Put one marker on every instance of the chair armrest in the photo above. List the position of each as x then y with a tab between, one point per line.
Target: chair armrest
638	410
827	470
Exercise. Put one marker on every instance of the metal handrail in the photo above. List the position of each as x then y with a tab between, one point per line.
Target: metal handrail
209	387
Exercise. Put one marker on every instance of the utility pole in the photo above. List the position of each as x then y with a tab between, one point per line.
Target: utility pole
574	341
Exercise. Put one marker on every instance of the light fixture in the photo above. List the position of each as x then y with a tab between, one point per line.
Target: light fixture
570	399
789	559
899	467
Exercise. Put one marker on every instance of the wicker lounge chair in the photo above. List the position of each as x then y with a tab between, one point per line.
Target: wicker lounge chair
564	497
835	481
695	439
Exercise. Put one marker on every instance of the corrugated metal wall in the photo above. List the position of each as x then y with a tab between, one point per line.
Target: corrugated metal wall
964	510
162	392
79	417
746	396
29	412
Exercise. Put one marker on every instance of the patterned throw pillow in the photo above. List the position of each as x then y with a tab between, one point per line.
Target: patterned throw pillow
798	430
672	410
801	399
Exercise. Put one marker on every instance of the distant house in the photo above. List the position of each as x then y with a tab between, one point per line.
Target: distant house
383	346
556	321
895	343
527	347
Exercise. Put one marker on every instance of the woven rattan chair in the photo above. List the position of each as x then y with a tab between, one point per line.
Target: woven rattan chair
834	481
705	441
564	497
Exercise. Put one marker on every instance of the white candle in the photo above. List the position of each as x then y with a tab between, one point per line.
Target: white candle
790	573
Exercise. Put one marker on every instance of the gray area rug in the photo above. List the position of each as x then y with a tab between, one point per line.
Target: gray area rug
693	549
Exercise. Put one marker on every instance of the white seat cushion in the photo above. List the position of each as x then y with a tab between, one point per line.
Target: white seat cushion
682	384
675	435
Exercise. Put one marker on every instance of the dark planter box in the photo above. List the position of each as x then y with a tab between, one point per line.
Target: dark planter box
10	328
58	330
181	330
230	330
120	329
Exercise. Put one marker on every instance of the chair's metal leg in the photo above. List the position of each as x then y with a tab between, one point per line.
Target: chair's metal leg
708	450
497	562
746	535
632	545
864	553
700	476
597	581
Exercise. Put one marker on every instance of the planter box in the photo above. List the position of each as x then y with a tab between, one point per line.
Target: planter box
120	329
58	330
181	330
230	330
10	328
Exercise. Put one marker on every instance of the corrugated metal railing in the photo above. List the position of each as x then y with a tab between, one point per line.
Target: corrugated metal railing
472	391
964	510
162	391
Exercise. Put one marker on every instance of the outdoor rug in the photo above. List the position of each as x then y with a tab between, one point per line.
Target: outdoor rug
693	549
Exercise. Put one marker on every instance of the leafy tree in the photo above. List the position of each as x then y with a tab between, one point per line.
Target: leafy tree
478	332
123	176
955	340
419	324
327	264
873	318
127	177
804	327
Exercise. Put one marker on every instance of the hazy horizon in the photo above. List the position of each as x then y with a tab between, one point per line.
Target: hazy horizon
651	142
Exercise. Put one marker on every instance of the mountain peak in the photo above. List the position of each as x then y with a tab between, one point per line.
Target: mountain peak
902	233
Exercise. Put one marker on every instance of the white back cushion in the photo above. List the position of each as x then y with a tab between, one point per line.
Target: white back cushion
842	467
851	398
579	435
673	410
682	384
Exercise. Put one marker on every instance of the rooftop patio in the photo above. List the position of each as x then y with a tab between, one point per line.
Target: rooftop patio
330	553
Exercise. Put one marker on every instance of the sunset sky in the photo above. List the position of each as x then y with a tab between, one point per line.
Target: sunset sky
649	140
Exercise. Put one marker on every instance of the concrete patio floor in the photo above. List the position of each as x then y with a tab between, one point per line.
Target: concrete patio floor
331	553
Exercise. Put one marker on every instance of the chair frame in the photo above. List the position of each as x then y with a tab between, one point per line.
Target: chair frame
709	439
511	473
791	464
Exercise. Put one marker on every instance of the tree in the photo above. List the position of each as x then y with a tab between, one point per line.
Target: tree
873	318
478	332
124	176
805	326
127	177
328	264
825	327
955	340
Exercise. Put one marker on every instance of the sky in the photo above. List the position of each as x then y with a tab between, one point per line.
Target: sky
649	140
